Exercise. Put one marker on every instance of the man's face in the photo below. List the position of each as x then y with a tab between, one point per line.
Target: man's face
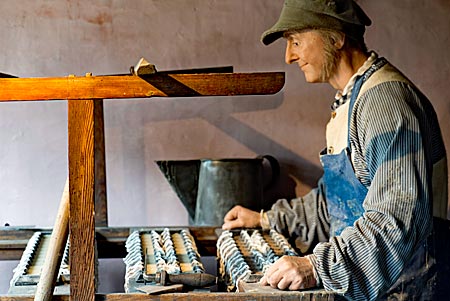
306	48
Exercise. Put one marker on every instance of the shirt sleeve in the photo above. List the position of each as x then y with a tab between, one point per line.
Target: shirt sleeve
388	155
304	220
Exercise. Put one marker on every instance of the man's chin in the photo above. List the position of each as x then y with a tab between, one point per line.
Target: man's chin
313	80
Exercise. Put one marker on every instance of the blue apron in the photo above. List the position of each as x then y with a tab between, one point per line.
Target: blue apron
345	194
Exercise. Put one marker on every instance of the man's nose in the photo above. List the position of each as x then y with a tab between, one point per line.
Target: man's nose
290	56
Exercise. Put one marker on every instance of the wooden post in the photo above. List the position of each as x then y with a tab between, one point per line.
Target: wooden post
101	207
81	120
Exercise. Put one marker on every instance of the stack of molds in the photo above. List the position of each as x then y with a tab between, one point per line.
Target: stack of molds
245	255
152	251
28	270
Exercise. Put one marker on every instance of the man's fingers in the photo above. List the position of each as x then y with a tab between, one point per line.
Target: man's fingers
290	272
232	214
273	278
296	282
232	224
229	216
283	284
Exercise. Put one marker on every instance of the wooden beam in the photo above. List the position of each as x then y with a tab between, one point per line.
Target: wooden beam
110	240
129	86
320	295
101	207
82	194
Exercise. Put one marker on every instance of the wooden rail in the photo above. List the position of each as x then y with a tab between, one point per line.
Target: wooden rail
130	86
110	240
276	296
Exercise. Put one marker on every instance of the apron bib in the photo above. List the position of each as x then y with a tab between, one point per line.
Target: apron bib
345	194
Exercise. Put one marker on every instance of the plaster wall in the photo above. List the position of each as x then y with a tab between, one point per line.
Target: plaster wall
56	38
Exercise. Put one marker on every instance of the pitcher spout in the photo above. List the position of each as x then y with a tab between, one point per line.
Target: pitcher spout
182	176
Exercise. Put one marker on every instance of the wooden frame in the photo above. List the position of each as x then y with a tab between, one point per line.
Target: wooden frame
87	179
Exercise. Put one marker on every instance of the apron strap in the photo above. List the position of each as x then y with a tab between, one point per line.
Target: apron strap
360	80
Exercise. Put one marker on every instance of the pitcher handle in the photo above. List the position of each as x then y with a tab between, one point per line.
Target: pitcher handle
275	167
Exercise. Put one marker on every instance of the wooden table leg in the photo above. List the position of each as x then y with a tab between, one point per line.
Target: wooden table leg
82	177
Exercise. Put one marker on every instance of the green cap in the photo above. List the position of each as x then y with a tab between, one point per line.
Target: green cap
341	15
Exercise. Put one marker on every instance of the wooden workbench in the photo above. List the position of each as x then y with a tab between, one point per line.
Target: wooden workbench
86	157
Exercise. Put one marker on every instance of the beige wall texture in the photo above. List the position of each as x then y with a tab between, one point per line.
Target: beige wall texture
43	38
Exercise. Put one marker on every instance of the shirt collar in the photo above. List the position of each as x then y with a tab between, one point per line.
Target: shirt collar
342	96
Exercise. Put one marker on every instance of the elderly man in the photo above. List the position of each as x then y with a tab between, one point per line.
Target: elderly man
370	220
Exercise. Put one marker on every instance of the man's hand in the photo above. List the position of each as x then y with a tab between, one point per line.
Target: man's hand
240	217
290	272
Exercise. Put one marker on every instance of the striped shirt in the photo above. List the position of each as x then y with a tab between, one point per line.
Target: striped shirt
395	144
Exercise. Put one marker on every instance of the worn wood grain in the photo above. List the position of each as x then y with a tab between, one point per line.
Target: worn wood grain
110	240
309	294
129	86
101	207
82	194
299	296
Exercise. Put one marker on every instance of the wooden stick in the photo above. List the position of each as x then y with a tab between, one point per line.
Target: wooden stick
58	239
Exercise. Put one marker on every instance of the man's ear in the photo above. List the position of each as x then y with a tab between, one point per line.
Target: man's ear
339	43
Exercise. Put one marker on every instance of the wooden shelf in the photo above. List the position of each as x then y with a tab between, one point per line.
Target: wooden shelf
110	240
298	296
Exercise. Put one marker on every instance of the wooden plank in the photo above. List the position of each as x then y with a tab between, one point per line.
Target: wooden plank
158	289
24	233
82	194
18	233
101	207
190	297
129	86
110	240
12	250
13	241
28	297
304	295
25	290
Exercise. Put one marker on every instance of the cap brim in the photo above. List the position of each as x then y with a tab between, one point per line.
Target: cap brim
288	20
270	36
292	18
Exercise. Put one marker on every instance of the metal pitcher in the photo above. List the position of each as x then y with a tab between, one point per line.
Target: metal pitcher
209	188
